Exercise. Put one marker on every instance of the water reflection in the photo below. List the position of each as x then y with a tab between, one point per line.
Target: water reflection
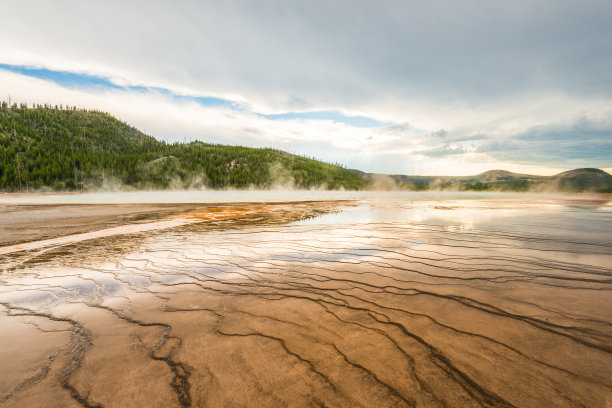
377	302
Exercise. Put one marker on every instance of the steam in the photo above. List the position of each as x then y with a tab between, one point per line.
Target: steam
383	182
281	178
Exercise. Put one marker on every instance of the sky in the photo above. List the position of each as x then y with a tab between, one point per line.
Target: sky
399	87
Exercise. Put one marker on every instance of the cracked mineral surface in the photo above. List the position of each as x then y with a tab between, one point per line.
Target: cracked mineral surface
486	302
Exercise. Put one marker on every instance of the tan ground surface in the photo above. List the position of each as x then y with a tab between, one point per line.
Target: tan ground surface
24	223
384	304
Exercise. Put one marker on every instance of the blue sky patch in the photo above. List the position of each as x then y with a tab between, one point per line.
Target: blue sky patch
74	80
63	78
355	121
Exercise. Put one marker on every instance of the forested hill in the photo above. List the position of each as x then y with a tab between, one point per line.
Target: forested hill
73	149
63	149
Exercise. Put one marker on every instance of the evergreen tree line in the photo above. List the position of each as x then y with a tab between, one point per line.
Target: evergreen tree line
66	148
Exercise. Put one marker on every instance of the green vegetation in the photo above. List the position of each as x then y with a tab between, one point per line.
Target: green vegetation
73	149
588	179
63	149
578	180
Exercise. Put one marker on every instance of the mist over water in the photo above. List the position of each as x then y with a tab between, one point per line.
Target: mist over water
284	195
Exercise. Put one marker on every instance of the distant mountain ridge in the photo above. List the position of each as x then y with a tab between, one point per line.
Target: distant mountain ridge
67	149
577	180
587	179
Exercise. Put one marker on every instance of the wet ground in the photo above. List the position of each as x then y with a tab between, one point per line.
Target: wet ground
455	302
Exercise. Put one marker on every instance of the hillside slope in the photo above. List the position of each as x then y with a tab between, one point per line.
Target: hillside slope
575	181
495	180
588	179
72	149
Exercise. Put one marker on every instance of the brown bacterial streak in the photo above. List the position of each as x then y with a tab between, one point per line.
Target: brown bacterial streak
82	340
180	379
263	305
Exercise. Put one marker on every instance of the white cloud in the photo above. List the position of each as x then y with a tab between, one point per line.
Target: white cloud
473	68
396	149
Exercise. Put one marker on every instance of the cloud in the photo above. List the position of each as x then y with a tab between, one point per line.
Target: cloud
396	86
446	150
98	83
325	53
584	142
